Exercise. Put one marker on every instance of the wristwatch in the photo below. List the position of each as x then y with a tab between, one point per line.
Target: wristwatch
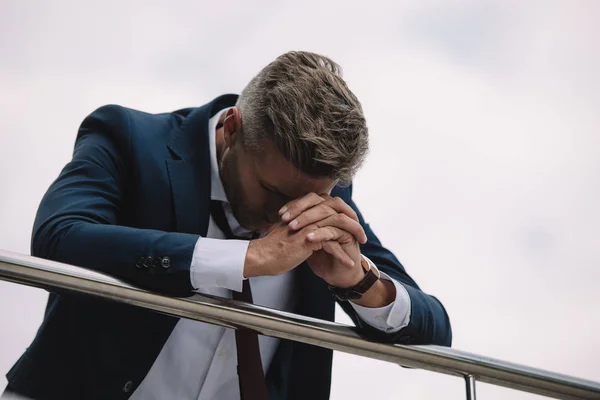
356	292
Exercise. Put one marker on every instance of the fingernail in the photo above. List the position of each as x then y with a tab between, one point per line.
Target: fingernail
286	215
294	223
283	209
311	235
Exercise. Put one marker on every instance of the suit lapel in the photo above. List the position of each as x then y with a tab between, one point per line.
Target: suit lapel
189	169
189	200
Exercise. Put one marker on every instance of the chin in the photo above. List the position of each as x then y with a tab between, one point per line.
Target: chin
264	227
250	225
257	227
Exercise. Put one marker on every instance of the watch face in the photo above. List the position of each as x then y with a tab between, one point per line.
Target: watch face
370	266
364	263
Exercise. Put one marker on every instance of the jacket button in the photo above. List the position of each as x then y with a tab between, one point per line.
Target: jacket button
148	262
165	262
128	386
140	262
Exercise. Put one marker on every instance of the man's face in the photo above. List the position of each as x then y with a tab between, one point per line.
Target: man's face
258	185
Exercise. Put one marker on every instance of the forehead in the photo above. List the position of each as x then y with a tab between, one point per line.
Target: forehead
272	168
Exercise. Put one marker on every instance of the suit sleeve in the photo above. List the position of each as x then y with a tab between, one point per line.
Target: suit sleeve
429	322
76	222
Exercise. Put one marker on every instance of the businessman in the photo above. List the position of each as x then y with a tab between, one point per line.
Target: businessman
246	197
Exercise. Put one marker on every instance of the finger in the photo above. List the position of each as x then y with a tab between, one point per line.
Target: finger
339	205
329	233
335	249
311	216
321	210
345	223
322	216
295	207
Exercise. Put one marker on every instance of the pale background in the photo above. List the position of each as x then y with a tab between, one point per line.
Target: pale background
484	170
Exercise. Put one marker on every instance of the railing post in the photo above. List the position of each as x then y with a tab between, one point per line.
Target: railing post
470	385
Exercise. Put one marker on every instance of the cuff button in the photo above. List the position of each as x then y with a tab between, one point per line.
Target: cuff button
148	262
165	262
128	386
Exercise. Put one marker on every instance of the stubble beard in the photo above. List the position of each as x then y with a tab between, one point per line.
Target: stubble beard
232	185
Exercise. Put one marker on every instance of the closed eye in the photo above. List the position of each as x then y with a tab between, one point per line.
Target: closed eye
275	193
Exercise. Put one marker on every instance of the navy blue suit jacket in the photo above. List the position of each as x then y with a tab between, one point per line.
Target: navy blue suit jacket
139	186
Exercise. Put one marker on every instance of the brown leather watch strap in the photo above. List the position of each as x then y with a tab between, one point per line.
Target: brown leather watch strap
356	292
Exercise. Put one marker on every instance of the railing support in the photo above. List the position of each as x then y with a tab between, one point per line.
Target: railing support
470	383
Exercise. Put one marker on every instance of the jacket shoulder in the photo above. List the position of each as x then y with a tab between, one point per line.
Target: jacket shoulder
342	190
114	114
128	124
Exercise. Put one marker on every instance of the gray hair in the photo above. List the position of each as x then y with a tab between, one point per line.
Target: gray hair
302	104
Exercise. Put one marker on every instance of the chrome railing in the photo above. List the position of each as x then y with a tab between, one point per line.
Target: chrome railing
55	276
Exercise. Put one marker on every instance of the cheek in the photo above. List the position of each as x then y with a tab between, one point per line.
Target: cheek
251	194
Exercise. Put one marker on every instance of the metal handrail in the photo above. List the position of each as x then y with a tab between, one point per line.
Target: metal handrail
53	276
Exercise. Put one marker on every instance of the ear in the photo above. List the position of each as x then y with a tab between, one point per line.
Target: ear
232	126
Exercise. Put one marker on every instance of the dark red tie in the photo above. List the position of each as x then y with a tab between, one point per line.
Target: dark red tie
250	370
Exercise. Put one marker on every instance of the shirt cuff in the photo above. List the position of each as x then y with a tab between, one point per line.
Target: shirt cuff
391	318
218	263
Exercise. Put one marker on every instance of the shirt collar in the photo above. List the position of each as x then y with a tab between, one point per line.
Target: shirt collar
217	192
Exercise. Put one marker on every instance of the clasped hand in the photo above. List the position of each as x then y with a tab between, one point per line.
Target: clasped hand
319	229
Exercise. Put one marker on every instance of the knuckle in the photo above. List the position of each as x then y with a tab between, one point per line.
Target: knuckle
339	219
326	209
345	218
348	222
315	197
332	231
314	226
353	215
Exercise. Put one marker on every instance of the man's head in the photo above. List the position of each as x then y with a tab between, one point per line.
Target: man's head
296	128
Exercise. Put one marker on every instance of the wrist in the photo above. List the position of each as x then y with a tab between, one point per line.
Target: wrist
370	277
350	281
254	261
381	294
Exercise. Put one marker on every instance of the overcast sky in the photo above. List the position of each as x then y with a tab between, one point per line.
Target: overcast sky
484	170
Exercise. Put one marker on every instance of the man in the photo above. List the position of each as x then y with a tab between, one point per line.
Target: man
246	196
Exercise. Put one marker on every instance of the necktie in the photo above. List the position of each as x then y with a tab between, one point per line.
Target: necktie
250	371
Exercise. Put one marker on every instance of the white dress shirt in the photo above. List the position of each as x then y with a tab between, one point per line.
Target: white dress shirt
199	360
